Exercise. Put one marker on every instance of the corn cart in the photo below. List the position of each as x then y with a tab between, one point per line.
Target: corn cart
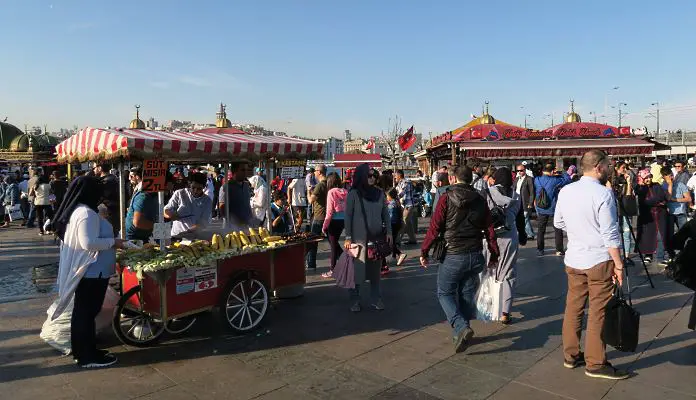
239	283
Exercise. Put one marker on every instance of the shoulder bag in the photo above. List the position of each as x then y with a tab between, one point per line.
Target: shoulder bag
498	215
440	246
377	245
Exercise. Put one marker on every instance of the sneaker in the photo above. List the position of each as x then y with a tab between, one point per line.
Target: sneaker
461	342
379	306
648	259
327	275
100	353
540	253
384	271
575	362
99	361
560	253
606	371
663	263
505	319
401	259
355	307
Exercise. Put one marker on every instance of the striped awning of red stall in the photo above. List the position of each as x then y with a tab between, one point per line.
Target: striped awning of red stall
92	144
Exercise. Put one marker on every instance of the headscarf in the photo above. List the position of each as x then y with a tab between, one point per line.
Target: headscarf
503	178
362	185
256	182
642	174
85	190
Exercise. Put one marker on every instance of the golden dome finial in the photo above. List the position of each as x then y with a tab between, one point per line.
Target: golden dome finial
486	118
137	123
221	120
573	116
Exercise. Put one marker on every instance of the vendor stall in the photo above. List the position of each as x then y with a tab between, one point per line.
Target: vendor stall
164	285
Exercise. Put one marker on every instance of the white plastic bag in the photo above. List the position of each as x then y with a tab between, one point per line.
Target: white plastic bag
489	298
57	332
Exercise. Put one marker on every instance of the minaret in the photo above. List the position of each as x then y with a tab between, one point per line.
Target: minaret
573	116
137	123
221	120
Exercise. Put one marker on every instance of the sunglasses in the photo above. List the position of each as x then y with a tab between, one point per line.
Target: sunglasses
373	176
521	170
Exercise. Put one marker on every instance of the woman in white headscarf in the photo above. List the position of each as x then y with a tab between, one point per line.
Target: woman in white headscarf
261	201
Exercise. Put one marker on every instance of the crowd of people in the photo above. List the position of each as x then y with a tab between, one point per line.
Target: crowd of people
480	218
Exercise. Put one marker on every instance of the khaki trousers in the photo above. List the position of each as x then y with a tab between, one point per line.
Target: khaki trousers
593	286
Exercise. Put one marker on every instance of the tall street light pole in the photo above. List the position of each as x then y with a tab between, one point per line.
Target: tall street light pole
525	120
594	114
606	99
621	104
657	116
551	116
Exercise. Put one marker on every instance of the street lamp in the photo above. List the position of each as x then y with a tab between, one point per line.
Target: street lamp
594	114
657	116
606	99
525	120
619	108
551	116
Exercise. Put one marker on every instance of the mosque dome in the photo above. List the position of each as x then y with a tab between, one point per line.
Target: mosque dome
221	120
137	123
9	133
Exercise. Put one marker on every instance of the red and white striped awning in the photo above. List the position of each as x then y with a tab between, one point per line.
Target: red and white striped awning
92	144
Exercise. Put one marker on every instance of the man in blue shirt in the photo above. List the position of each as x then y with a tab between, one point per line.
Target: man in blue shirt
142	212
679	199
551	184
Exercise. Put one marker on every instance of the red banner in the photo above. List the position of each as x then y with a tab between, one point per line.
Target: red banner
407	139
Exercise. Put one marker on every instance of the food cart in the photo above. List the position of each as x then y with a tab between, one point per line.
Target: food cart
164	286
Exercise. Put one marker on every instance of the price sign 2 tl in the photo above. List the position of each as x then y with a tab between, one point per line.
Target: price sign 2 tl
154	176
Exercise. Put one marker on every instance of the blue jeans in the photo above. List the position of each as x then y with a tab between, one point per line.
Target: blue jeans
312	247
528	225
627	238
681	220
457	282
32	215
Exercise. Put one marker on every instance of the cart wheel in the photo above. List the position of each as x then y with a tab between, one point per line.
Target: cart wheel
135	327
245	304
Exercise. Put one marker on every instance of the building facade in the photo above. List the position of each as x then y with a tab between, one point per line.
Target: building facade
332	147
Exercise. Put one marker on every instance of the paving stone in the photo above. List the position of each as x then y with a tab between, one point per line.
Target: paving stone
631	389
50	387
403	392
170	393
286	393
550	375
118	381
345	382
291	363
448	380
517	391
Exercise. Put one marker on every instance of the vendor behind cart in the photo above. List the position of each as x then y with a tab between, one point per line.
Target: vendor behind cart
234	200
190	208
142	212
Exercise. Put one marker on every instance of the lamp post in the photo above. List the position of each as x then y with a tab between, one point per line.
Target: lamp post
551	116
619	108
594	114
657	117
525	120
606	99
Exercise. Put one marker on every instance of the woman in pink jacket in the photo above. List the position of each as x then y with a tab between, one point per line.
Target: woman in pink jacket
335	217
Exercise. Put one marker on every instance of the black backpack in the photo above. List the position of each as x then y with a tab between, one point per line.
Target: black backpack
542	200
498	215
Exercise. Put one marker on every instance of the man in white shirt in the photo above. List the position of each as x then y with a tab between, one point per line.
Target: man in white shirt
433	181
190	209
586	210
297	192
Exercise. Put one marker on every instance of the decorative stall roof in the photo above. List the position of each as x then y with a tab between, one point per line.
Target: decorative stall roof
92	144
519	149
353	160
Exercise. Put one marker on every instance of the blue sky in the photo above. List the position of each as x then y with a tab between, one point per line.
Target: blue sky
317	67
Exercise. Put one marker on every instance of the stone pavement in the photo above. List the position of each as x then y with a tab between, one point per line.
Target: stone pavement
313	347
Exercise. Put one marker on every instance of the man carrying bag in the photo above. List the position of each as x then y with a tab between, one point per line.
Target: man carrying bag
586	210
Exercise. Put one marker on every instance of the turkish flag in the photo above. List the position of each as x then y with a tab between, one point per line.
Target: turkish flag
624	131
407	139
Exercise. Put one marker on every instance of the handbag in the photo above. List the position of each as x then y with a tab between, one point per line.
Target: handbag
377	245
629	205
498	215
14	212
621	321
489	297
440	247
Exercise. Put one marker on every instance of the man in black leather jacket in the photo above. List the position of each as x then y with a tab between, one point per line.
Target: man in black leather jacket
462	215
